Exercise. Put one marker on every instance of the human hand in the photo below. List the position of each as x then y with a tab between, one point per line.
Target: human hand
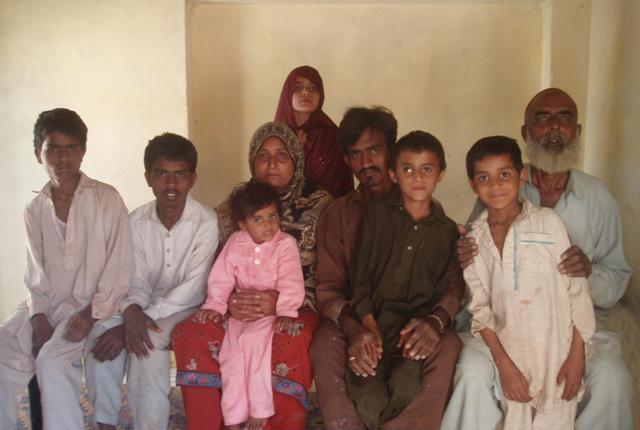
284	325
246	304
205	315
419	338
79	325
136	331
109	344
466	248
364	346
572	370
514	385
574	263
41	332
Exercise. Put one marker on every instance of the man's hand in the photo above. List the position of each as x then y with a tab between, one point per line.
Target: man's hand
109	345
418	339
249	305
466	248
572	370
574	263
364	346
42	332
136	331
514	385
79	325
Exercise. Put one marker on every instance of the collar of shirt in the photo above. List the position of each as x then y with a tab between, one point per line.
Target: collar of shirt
244	239
481	223
395	199
85	182
573	185
189	214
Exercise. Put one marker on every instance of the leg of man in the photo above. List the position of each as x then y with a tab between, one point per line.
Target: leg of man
607	403
370	393
59	371
403	385
425	411
148	383
17	365
473	404
562	418
329	360
104	378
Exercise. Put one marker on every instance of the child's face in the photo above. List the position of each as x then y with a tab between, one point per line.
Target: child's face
170	182
263	224
496	181
61	156
417	174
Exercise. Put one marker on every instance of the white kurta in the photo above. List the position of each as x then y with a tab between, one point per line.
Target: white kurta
171	269
529	304
90	263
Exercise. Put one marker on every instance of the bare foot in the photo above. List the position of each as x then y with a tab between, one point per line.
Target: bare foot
101	426
255	423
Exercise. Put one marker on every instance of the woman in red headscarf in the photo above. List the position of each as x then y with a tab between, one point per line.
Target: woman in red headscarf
300	107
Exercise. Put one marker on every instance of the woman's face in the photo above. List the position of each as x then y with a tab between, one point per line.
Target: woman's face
273	163
306	96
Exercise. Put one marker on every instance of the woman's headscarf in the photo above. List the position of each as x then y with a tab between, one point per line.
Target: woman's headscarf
324	163
302	203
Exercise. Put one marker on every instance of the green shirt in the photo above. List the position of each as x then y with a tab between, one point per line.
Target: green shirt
401	266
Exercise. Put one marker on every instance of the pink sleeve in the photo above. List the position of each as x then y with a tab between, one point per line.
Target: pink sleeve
290	279
222	280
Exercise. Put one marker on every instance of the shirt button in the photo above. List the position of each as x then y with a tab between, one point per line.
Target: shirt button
168	265
415	227
256	261
168	234
409	247
168	250
257	249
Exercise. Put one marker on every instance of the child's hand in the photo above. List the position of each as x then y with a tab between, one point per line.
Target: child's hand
572	370
205	315
79	325
514	385
373	345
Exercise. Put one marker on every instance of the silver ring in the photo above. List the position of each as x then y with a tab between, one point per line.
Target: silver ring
352	358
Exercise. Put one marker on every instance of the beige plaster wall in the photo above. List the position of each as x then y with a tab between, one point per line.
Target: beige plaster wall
119	63
461	71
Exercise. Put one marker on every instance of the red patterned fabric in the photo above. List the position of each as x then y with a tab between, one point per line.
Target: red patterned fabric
196	348
324	162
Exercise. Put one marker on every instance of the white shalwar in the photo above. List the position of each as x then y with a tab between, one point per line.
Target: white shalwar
171	269
91	263
532	308
592	218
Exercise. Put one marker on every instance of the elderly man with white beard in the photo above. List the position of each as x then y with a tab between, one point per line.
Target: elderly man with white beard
592	218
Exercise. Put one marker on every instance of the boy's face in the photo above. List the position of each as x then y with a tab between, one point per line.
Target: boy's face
496	181
170	182
417	174
263	224
61	156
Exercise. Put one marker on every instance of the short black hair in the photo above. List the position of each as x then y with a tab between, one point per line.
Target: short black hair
250	198
61	120
493	145
173	147
418	141
358	119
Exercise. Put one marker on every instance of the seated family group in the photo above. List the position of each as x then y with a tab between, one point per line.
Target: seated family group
297	277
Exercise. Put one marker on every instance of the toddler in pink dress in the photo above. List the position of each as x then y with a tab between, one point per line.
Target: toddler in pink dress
262	257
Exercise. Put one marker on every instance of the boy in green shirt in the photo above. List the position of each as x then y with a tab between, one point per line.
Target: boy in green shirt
400	280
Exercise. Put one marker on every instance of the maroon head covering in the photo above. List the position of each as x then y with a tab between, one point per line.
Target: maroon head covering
324	163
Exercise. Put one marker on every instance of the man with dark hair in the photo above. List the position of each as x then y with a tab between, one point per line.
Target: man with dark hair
592	218
174	239
79	257
367	137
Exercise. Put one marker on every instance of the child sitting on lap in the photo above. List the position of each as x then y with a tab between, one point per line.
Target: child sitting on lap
534	320
259	256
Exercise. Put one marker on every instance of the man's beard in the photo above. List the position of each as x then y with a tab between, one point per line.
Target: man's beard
551	159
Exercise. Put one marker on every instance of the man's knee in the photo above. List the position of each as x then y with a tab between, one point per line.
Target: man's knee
608	377
328	346
474	364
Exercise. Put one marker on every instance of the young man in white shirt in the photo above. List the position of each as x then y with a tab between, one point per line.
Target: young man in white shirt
174	239
79	265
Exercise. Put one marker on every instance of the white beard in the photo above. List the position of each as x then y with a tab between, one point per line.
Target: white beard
551	160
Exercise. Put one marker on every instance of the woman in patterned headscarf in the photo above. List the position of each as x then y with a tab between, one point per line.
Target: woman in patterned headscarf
300	107
276	158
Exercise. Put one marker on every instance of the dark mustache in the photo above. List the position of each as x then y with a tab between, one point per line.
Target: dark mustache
370	169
